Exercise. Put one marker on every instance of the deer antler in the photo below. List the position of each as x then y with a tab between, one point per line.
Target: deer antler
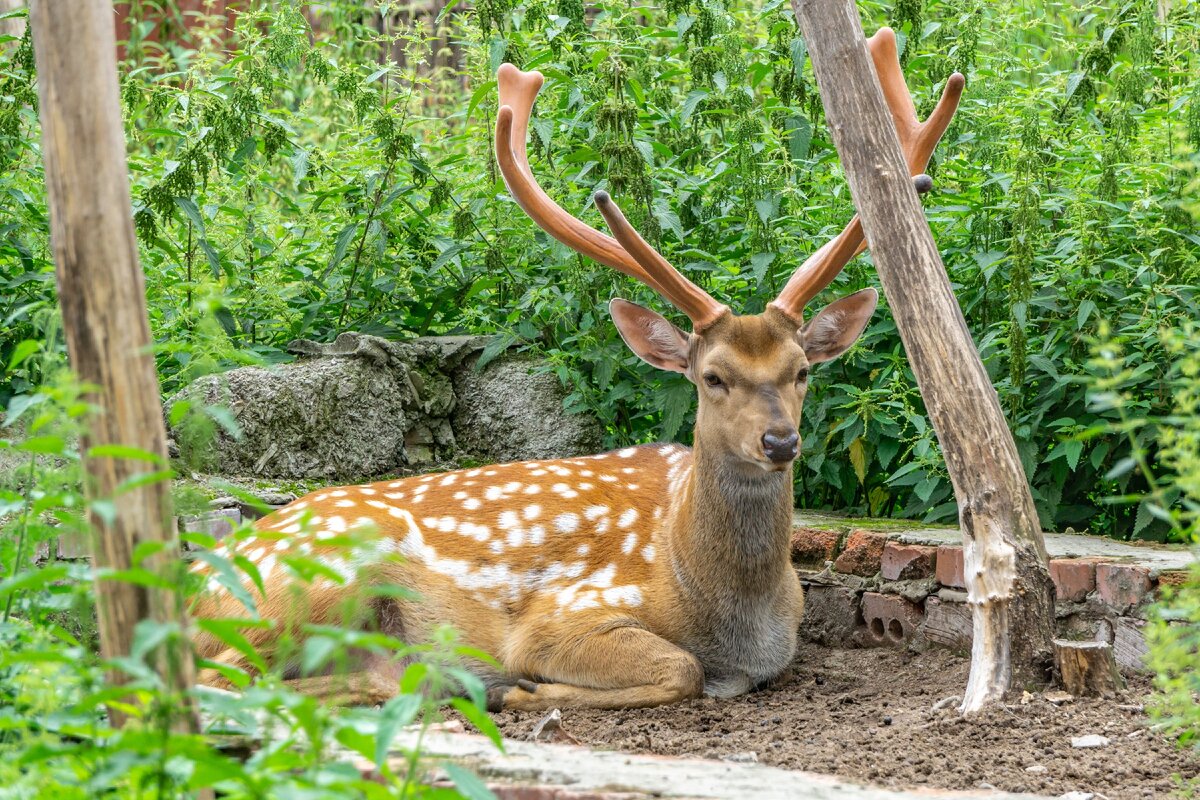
917	140
628	253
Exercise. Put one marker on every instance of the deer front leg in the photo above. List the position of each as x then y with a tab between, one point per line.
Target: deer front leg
606	666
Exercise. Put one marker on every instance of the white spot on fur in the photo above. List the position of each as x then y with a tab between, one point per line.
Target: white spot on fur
449	479
629	544
472	503
567	523
532	511
592	513
628	452
345	504
623	595
366	490
648	553
339	493
394	495
628	517
609	478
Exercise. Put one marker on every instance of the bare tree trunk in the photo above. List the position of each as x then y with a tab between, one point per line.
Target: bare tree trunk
102	296
1004	557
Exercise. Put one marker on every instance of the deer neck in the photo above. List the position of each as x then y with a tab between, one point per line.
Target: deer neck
732	527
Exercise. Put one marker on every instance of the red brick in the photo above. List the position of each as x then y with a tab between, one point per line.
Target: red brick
813	546
1074	578
1122	585
950	566
891	620
906	562
864	551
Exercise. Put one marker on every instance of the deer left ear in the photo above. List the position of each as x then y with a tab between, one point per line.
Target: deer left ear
655	340
831	332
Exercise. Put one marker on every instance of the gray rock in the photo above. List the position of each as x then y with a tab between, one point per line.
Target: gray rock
510	412
365	406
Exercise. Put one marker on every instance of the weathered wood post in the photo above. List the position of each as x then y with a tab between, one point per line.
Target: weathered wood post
102	297
1008	584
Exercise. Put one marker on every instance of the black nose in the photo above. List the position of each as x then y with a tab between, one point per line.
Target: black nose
780	448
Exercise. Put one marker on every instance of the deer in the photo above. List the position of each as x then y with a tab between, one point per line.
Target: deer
633	578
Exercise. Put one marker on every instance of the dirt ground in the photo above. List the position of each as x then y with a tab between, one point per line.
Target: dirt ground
869	716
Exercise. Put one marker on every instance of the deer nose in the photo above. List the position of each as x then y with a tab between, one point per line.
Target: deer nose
780	448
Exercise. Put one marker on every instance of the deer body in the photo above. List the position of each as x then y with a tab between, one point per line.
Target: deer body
625	579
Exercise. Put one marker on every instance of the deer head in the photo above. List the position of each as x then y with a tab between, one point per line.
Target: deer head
751	372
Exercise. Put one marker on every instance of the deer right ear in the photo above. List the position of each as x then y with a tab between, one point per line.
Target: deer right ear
655	340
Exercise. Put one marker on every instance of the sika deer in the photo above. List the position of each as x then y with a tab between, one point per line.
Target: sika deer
633	578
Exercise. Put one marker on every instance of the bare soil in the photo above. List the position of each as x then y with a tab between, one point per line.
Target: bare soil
869	716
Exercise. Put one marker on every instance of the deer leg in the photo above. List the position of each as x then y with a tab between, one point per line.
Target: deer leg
610	667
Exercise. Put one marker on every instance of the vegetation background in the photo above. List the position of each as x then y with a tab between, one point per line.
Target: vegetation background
327	166
303	175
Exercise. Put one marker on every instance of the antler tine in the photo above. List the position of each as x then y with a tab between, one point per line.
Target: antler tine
701	309
917	140
518	90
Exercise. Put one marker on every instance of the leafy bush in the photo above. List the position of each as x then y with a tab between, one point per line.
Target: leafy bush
292	188
265	741
1174	631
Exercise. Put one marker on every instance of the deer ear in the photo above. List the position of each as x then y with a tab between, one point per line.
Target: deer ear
831	332
655	340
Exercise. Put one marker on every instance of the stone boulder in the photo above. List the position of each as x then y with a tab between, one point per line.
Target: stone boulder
365	406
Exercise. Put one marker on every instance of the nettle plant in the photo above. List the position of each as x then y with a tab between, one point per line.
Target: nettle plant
265	741
300	183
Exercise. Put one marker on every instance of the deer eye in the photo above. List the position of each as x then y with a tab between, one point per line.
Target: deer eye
712	380
802	375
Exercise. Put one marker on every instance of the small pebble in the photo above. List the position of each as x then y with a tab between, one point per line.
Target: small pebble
1036	768
748	757
1091	740
887	720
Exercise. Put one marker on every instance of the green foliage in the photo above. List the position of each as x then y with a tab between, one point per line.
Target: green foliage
1173	634
291	187
55	690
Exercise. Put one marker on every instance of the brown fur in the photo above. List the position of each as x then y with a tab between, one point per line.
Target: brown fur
632	578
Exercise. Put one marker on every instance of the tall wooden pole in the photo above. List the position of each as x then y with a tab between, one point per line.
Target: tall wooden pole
102	296
1004	557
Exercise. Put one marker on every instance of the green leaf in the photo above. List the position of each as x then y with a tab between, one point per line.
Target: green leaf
799	137
1121	468
395	714
694	99
22	351
858	458
340	246
124	451
479	718
1074	449
226	630
468	782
